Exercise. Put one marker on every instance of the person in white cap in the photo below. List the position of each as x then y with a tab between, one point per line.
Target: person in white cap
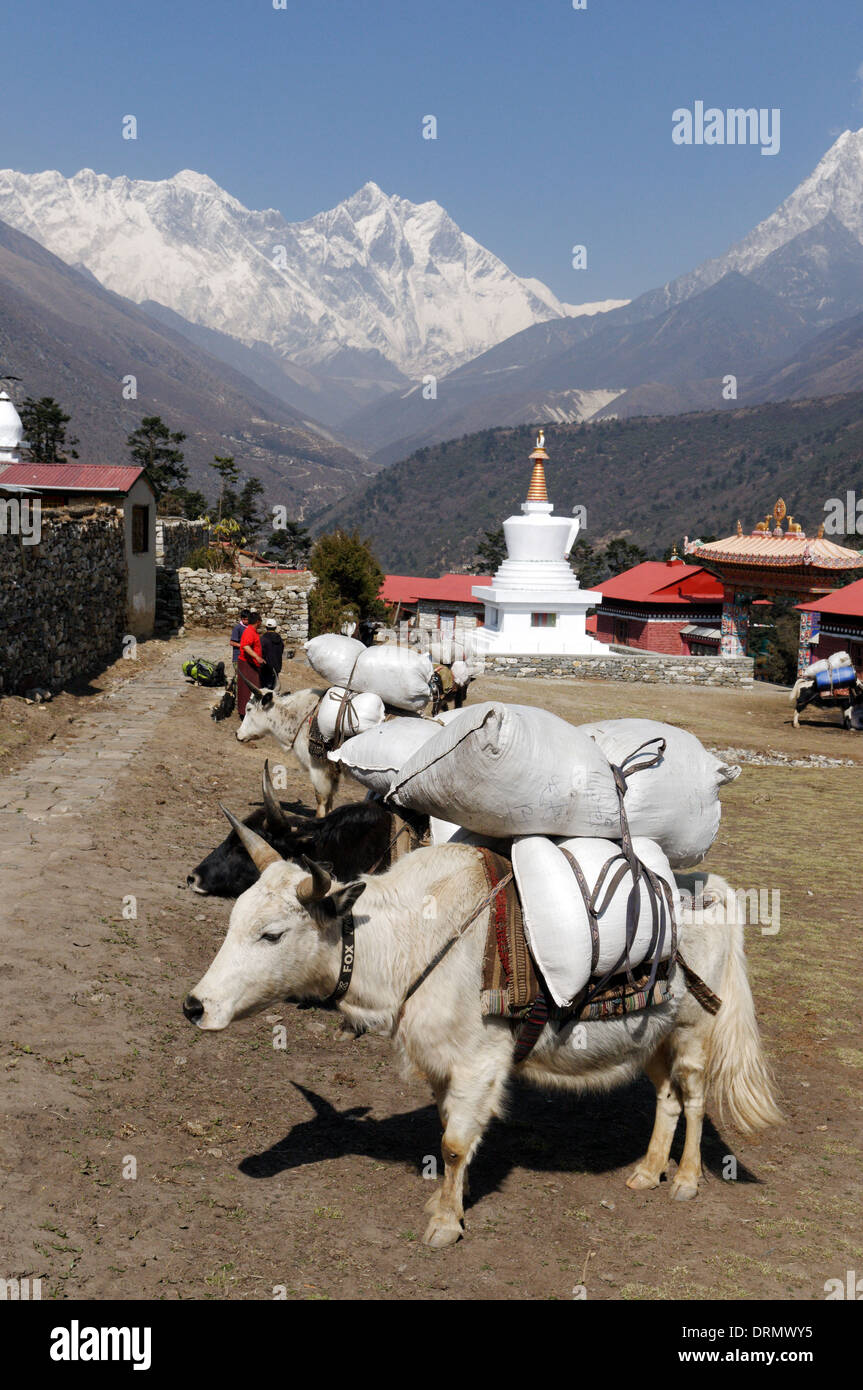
273	651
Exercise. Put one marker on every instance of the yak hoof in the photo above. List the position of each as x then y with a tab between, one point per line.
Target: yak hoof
642	1181
444	1229
682	1190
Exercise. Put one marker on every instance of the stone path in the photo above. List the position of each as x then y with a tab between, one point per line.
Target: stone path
63	782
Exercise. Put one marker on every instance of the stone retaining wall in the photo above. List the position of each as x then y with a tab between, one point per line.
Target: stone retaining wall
212	598
629	666
177	538
63	600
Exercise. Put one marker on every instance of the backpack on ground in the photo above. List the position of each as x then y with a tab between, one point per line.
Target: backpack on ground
203	672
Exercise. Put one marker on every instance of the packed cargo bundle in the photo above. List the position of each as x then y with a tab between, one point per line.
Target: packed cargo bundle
504	770
826	663
334	656
343	716
400	677
672	784
507	770
835	677
556	917
375	757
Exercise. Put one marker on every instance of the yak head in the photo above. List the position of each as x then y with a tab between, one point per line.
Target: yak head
281	940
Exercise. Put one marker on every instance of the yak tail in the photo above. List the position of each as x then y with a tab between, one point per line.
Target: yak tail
737	1069
799	684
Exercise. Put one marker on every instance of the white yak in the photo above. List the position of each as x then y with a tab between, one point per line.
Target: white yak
284	942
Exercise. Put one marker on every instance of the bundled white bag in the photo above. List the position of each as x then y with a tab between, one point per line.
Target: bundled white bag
445	832
361	712
374	758
333	656
556	920
827	663
399	676
676	801
507	770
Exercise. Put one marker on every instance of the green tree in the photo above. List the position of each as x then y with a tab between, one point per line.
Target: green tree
154	447
586	563
290	545
246	511
620	554
45	424
349	581
229	477
490	553
183	502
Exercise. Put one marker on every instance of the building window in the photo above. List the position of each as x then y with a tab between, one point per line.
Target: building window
140	530
543	620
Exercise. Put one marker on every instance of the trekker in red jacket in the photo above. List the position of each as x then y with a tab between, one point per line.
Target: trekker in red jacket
250	662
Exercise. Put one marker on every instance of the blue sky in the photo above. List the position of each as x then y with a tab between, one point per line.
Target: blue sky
554	125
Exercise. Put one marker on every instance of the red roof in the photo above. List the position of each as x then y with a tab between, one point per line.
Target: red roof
663	582
73	477
847	601
451	588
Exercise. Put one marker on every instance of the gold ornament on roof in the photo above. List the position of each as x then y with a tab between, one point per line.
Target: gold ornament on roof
537	492
779	511
739	527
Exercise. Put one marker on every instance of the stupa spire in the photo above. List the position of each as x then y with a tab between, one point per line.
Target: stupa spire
537	491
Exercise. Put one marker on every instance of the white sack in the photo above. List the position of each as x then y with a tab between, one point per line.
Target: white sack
374	758
506	770
676	802
333	656
826	662
556	922
399	676
362	712
445	832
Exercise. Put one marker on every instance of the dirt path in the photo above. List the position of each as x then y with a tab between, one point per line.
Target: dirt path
258	1169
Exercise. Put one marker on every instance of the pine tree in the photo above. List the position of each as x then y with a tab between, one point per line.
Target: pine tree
290	545
490	553
349	581
45	424
154	447
229	476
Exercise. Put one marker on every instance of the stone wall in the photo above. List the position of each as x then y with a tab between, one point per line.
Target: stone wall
213	599
629	666
63	601
177	538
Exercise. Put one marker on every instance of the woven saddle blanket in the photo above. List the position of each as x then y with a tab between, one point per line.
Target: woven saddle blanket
511	982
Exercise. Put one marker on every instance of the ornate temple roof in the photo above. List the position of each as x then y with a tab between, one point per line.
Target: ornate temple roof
771	547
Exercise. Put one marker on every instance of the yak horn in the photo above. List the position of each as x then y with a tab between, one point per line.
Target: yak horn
256	689
312	889
275	814
260	853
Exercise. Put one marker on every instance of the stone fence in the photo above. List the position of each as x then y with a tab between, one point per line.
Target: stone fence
629	665
213	598
177	538
63	604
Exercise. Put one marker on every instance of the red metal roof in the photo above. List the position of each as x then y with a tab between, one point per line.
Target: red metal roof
73	477
847	601
663	582
451	588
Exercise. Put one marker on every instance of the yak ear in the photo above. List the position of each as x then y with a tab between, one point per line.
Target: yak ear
338	904
266	699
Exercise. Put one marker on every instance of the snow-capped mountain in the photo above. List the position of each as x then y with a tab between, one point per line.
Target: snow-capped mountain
375	275
832	194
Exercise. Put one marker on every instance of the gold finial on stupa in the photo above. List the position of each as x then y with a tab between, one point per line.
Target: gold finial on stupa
537	492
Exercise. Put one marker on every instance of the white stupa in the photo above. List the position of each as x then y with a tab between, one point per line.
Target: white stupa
535	604
11	431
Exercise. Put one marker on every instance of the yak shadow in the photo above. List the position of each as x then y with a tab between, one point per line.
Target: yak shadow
553	1134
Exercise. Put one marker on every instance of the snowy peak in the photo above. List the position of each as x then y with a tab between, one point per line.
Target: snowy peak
376	275
834	190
